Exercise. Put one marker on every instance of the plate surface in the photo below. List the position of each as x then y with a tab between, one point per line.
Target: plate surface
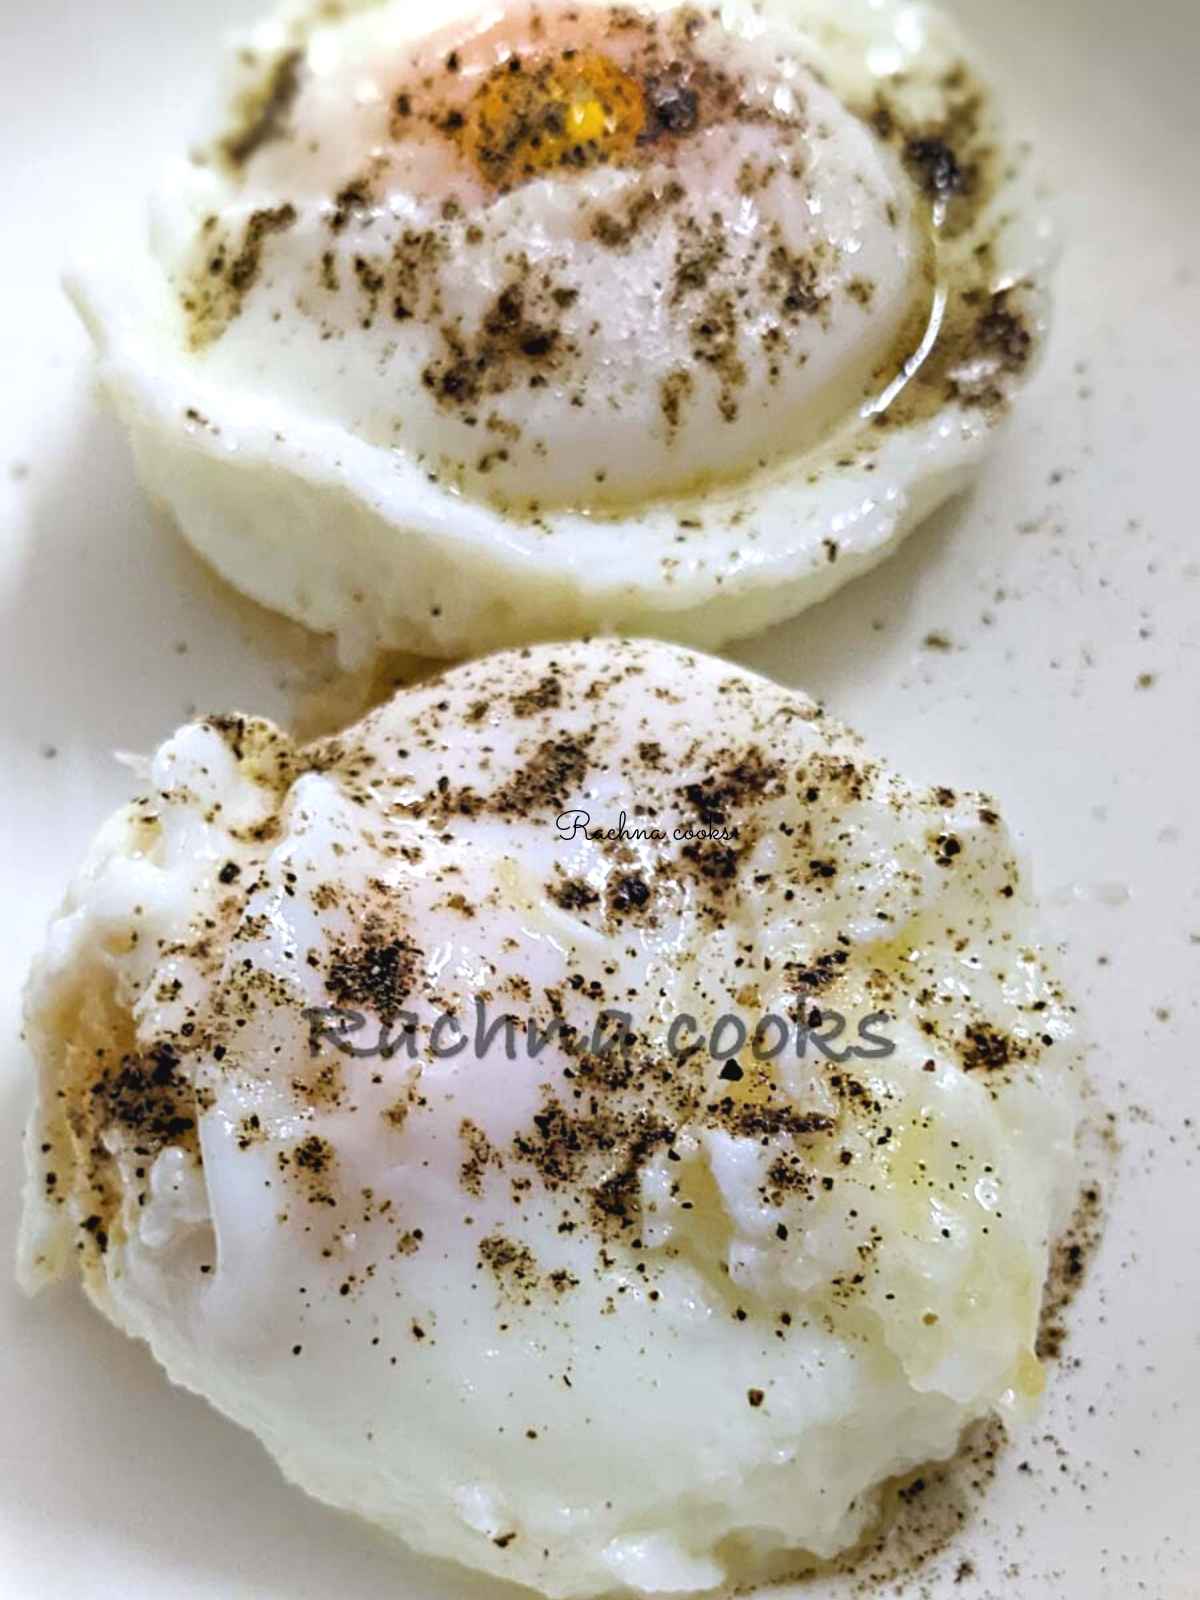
1040	639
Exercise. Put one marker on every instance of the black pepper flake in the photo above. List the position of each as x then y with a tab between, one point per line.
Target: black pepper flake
377	974
267	112
95	1226
673	106
629	894
573	894
148	1096
936	167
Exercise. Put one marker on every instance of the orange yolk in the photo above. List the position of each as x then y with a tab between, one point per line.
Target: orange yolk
576	110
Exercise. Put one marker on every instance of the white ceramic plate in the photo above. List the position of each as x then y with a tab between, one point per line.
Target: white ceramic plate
1068	592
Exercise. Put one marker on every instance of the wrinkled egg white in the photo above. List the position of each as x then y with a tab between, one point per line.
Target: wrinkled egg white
641	1322
300	450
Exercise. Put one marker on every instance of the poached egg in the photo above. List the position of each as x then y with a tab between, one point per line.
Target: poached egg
592	1118
466	327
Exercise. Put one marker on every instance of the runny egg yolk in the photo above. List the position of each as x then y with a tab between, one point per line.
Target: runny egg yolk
578	109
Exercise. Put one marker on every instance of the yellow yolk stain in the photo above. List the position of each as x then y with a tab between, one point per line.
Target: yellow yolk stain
578	109
1030	1377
